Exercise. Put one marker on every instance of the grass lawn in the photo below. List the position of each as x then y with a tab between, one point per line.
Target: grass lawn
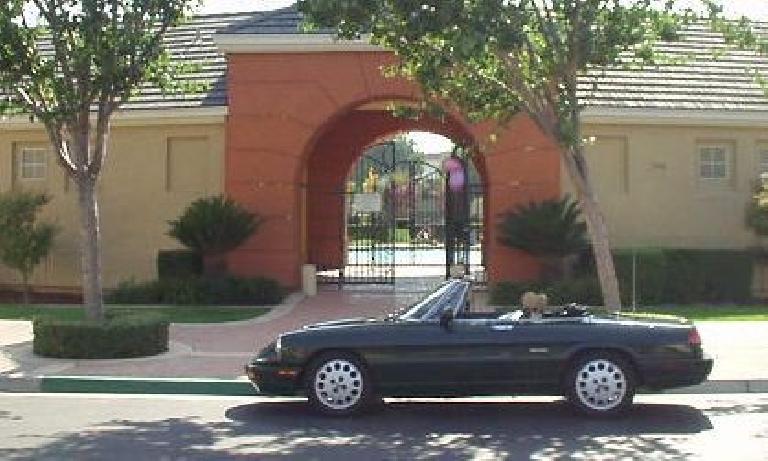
175	314
712	312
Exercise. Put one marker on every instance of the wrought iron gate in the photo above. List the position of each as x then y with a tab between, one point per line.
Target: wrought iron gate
402	215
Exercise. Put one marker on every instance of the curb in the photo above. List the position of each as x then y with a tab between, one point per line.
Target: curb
121	385
241	387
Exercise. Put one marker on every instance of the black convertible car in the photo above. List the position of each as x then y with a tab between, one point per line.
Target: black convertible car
438	347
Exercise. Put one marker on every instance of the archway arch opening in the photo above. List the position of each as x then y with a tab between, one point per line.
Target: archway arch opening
379	206
413	208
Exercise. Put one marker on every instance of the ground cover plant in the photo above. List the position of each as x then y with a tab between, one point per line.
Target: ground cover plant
172	314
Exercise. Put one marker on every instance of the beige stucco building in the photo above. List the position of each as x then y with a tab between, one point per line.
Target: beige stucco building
674	152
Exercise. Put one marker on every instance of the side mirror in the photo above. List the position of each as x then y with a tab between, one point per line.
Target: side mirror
446	318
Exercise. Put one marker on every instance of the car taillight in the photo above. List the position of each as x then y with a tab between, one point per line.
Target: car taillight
693	337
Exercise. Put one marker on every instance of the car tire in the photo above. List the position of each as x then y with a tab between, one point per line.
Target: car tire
338	384
600	384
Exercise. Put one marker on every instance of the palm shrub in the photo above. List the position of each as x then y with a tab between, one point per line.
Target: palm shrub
24	242
214	226
551	230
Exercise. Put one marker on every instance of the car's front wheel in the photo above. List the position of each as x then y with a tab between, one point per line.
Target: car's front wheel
338	384
600	384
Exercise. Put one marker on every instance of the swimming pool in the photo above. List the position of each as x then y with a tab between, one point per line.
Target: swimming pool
406	256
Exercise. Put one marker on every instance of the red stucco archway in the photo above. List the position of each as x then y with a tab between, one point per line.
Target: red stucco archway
293	127
340	146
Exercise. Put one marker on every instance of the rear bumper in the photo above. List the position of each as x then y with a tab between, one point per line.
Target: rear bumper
273	378
669	374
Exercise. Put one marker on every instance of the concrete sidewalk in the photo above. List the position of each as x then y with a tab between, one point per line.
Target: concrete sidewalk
218	351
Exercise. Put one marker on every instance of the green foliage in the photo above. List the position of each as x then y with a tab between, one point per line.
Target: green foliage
174	264
221	291
494	59
757	210
24	242
582	290
71	64
547	228
712	276
651	272
57	58
214	225
664	276
684	276
174	314
139	335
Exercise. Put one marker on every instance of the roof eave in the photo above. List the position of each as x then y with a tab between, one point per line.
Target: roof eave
674	117
212	115
290	43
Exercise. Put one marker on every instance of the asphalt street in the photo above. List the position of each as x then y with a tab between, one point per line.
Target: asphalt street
108	427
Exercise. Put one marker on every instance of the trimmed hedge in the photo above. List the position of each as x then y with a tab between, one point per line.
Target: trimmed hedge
663	276
139	335
687	276
175	264
583	290
221	291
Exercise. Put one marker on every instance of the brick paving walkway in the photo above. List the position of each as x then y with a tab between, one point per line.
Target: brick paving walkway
210	351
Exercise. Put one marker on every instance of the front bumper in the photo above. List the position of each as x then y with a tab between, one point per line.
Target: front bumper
677	373
269	378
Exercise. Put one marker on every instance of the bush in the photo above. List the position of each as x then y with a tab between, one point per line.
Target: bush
714	276
214	226
583	290
230	291
175	264
137	335
548	228
651	271
132	292
666	276
757	210
509	293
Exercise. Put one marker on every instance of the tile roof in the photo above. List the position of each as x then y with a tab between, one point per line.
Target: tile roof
282	21
704	82
192	43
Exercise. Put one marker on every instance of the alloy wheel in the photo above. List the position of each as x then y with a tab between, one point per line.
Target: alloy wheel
338	384
600	385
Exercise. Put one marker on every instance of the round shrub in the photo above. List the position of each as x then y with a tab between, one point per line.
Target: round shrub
139	335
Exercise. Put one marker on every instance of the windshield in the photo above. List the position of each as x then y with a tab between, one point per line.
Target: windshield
446	296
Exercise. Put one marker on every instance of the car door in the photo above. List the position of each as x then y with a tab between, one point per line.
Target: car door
496	354
465	357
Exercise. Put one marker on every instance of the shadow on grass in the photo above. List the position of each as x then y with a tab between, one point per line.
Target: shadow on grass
399	431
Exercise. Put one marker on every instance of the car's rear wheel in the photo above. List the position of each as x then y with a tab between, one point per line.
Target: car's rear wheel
600	384
338	384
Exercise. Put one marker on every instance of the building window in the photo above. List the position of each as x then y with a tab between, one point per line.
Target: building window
763	161
33	163
713	162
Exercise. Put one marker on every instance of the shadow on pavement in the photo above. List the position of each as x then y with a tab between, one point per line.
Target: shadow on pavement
453	430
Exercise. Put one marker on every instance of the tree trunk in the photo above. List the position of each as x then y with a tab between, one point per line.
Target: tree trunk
90	247
26	294
598	229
